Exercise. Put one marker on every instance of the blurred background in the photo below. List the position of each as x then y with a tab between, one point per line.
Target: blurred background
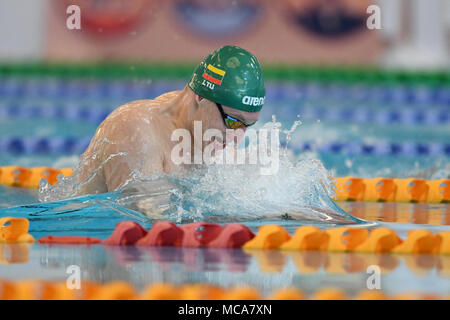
414	33
372	101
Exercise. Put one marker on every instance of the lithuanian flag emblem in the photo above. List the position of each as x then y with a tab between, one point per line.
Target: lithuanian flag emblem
213	74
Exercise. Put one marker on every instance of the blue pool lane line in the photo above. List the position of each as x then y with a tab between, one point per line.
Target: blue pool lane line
84	112
73	145
364	115
79	88
409	149
54	111
43	145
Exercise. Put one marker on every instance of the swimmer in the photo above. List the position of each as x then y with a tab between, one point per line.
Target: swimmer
226	91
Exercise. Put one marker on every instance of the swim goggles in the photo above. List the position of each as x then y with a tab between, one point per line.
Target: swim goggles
230	122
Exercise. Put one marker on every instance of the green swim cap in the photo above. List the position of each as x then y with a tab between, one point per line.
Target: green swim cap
232	77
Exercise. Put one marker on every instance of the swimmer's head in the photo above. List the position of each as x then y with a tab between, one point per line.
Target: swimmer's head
231	79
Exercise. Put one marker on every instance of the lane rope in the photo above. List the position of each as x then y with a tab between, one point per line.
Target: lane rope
77	145
411	95
237	235
83	112
380	189
121	290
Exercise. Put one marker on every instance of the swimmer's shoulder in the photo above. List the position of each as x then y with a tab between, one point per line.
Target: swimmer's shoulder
168	96
145	104
136	114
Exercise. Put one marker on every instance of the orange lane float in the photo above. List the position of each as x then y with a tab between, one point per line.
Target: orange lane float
288	294
39	173
439	190
116	290
350	189
443	243
371	295
57	291
308	238
418	241
201	234
14	176
160	291
241	293
380	240
392	190
119	290
382	189
201	292
330	294
345	238
18	290
15	230
411	190
268	237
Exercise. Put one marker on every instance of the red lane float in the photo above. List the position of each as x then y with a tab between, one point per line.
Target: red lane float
233	235
199	234
126	233
69	240
162	233
275	237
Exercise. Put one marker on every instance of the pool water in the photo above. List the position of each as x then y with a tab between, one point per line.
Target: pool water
264	270
414	213
354	130
359	130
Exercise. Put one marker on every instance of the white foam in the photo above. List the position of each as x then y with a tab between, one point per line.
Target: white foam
238	191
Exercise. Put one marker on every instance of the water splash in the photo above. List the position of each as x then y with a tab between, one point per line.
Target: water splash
300	190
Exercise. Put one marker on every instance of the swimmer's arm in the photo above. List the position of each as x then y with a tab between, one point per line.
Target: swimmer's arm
90	178
122	158
123	142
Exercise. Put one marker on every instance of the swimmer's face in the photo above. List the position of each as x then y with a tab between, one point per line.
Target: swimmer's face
212	119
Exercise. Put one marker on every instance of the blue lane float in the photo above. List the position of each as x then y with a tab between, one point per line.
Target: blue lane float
43	145
364	115
17	88
84	112
380	148
77	88
73	145
54	111
399	94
